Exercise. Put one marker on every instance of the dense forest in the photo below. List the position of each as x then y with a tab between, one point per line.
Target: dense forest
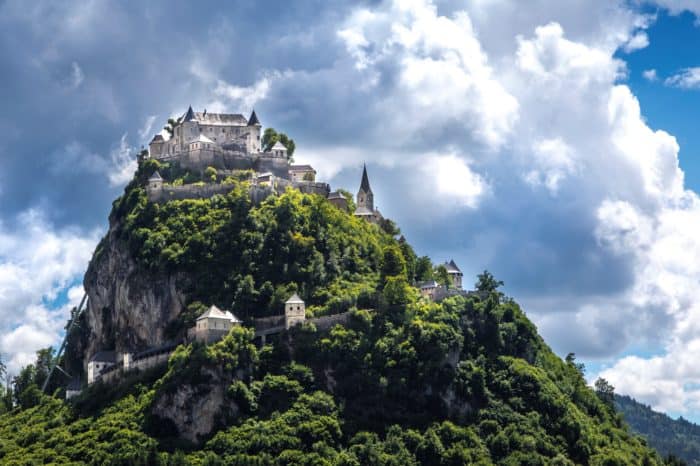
677	437
407	381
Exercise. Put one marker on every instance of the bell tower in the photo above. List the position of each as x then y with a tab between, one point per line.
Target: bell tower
365	197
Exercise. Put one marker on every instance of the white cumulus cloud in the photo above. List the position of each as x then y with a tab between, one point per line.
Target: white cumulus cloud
37	263
688	78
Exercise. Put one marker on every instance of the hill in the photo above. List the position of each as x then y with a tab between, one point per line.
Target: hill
668	436
404	381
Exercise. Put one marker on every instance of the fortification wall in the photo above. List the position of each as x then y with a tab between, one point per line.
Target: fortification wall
151	361
258	193
112	374
265	323
328	322
312	187
276	165
199	159
190	191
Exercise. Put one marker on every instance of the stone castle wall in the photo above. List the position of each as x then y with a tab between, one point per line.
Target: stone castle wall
192	191
199	159
328	322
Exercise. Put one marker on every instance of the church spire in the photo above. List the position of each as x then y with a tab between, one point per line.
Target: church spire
364	185
365	198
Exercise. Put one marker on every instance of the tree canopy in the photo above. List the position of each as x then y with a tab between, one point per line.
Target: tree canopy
270	137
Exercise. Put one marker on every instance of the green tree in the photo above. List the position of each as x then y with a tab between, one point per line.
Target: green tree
210	174
393	263
571	360
424	269
442	277
270	137
170	127
389	227
409	257
487	283
605	392
397	291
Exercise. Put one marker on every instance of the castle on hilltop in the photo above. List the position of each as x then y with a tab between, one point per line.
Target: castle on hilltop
220	140
202	130
229	143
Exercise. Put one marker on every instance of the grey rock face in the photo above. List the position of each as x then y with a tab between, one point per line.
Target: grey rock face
197	410
193	410
129	308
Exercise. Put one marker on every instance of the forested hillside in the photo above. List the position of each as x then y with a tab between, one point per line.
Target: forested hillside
668	436
405	382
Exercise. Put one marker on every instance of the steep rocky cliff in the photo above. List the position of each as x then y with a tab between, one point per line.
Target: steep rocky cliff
129	307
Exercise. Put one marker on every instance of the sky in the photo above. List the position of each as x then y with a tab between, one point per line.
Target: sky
553	145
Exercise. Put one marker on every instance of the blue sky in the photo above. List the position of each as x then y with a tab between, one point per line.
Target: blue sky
537	143
674	42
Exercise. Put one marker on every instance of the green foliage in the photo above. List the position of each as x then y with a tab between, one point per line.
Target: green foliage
465	381
424	269
270	137
404	382
27	384
487	283
677	439
441	276
605	392
250	258
393	263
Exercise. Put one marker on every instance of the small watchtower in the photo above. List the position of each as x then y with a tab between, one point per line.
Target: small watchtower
155	182
294	311
279	150
454	273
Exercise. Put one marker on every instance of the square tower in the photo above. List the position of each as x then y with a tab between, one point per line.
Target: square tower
294	311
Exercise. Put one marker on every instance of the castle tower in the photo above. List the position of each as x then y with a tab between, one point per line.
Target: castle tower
254	125
294	311
189	129
365	197
155	182
454	273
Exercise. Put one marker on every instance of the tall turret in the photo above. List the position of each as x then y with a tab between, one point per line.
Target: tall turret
365	197
254	125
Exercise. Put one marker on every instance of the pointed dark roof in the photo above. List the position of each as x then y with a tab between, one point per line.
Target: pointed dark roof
253	120
364	185
155	176
189	115
452	267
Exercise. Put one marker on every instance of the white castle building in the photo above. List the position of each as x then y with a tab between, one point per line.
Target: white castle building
202	130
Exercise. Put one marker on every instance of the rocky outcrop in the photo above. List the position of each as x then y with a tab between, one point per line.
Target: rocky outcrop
197	408
194	410
129	308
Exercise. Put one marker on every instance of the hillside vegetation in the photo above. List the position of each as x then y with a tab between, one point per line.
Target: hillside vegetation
677	437
405	382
